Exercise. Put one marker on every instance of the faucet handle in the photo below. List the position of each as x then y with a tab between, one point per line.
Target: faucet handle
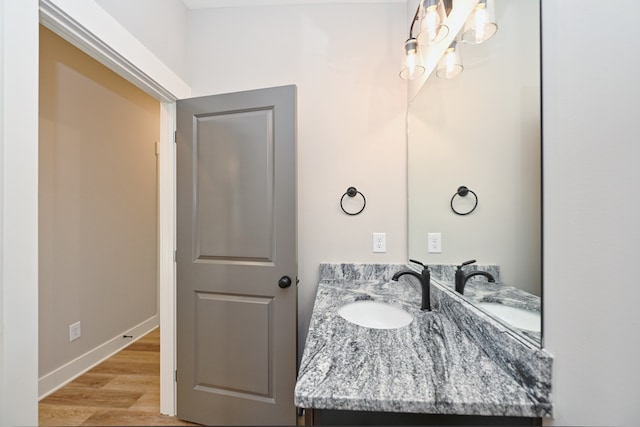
425	267
417	262
471	261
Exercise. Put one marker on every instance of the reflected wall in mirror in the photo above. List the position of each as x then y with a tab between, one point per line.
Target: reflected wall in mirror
482	130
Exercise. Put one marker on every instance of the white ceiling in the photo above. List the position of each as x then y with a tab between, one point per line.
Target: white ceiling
206	4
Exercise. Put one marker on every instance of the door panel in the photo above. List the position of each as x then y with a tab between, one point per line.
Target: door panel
235	185
236	209
229	362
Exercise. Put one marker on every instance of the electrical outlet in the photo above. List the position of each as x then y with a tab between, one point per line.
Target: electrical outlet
74	331
379	242
434	243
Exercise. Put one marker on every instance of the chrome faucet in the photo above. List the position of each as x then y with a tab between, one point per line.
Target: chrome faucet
425	283
461	278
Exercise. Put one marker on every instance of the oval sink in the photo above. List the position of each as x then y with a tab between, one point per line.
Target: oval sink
518	317
375	315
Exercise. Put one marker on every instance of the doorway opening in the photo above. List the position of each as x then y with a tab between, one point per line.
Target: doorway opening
98	212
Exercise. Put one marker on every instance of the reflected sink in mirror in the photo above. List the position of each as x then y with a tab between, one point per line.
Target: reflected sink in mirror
375	315
517	317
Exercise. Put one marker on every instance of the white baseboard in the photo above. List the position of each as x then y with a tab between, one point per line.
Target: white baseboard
57	378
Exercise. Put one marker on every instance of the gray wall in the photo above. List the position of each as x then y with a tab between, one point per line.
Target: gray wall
591	232
97	205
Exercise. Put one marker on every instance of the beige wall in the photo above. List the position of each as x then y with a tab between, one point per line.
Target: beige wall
97	213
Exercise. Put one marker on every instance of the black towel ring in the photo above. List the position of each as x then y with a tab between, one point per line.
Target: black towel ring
352	192
463	192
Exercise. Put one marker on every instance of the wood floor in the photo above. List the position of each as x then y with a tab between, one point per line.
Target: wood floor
123	390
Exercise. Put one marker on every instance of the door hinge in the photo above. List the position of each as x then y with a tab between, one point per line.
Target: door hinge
175	136
175	375
175	255
157	148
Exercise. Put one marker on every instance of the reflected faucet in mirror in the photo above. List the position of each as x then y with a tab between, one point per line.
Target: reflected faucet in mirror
461	277
425	283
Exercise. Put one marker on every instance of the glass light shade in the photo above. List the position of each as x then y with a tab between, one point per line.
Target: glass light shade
481	25
432	26
450	64
412	66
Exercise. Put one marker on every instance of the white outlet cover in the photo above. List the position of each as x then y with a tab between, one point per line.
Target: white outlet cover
74	331
434	243
379	242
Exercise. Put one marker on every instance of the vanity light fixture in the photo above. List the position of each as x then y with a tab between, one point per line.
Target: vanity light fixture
432	22
481	25
413	64
450	64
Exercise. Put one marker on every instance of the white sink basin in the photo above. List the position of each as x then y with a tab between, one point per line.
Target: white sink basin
518	317
376	315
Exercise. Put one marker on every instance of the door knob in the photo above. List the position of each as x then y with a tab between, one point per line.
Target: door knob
284	282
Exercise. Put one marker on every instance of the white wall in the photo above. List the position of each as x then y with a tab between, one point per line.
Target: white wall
591	200
160	25
351	115
19	213
87	25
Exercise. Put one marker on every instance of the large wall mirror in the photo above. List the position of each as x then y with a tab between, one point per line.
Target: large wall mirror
482	130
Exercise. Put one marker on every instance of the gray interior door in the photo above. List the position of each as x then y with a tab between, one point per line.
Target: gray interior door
236	247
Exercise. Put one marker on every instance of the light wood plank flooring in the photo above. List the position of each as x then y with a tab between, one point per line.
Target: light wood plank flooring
123	390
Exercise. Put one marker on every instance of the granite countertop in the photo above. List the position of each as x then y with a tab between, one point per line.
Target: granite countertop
433	365
478	289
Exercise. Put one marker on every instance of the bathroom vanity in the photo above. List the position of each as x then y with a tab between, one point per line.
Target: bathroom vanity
453	361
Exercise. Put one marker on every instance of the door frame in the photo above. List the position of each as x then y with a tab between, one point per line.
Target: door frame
88	27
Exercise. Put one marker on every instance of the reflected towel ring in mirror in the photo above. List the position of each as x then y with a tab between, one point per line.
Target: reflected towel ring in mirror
352	192
463	192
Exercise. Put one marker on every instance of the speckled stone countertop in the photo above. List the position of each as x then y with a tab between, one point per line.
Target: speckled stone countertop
478	289
434	365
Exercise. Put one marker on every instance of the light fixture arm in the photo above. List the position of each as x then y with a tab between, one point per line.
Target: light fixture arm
415	19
